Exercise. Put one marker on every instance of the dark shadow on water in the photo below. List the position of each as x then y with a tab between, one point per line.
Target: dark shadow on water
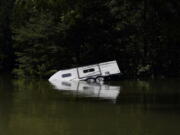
35	107
151	94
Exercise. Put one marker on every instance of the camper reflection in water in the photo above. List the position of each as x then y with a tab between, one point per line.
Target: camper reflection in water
86	89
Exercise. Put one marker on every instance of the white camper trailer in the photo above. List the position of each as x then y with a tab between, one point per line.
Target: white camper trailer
91	73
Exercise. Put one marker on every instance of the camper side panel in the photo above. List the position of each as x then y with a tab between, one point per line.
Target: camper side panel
69	75
109	68
65	75
89	71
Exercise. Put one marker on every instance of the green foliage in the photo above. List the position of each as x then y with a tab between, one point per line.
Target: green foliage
36	46
143	36
6	50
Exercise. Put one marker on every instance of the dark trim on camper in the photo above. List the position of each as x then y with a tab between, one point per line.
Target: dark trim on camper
66	75
99	69
88	70
78	72
90	74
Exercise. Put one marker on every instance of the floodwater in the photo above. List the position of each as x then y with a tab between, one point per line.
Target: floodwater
127	107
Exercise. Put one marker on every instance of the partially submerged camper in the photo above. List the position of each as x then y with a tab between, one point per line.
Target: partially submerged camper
91	73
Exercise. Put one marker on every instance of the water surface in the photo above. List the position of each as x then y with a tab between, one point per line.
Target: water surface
35	107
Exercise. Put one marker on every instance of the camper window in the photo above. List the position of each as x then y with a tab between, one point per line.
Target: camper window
89	70
66	75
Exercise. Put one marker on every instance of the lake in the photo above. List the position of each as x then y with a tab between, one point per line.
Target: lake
126	107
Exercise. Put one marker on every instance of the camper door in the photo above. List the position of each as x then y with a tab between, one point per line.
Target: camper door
89	71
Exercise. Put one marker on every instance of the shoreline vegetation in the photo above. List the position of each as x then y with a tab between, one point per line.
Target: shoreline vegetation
40	37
